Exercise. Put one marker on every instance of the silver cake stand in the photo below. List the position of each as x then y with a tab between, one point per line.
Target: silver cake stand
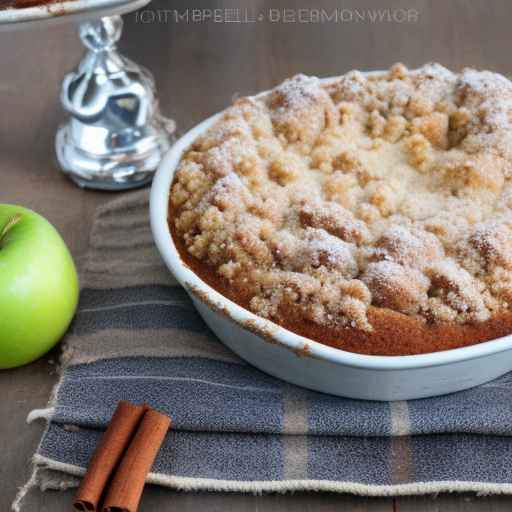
115	136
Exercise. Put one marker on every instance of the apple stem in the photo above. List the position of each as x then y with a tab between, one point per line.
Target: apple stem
10	223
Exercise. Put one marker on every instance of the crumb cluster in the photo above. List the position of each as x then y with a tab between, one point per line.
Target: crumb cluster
325	199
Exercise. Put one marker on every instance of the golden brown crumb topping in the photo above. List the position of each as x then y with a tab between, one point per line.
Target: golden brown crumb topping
391	190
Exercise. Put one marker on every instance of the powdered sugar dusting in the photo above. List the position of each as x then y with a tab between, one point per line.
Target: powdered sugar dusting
322	249
295	93
388	190
491	94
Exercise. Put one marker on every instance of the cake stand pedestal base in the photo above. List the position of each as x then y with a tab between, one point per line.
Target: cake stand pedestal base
116	136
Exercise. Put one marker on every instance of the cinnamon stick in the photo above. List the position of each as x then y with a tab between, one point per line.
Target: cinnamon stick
107	455
128	482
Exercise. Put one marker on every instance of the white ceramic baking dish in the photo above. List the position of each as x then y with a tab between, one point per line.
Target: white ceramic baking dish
304	362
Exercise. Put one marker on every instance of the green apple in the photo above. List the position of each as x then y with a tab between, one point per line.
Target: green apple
38	286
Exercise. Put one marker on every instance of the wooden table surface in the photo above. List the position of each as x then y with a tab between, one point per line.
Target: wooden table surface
199	67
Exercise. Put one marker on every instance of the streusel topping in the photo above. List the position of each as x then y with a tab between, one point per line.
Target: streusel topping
392	190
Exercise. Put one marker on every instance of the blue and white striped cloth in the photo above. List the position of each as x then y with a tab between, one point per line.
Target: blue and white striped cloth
137	337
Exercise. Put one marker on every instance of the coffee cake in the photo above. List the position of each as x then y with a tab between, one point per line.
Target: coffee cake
368	212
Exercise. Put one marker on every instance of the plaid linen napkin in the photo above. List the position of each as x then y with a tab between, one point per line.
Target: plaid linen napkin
137	337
